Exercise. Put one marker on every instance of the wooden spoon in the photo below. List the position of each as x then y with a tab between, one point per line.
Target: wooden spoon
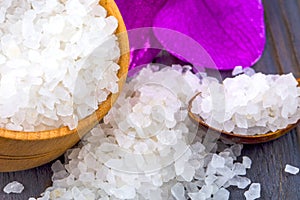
243	139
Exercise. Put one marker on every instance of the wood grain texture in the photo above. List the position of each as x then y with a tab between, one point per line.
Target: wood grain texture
282	55
25	150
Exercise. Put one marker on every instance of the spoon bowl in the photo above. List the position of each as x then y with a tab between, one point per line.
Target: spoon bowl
237	138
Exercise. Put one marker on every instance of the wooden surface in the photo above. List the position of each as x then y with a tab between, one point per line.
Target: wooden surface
282	55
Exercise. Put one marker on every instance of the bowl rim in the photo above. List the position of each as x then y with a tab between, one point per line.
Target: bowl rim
91	120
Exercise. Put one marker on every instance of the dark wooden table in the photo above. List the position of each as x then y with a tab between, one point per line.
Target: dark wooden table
282	55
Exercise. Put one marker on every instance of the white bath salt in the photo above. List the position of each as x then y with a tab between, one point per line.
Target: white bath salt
178	191
249	105
222	194
249	71
147	148
239	169
240	70
291	169
247	162
57	166
58	62
253	192
13	187
240	182
217	161
237	70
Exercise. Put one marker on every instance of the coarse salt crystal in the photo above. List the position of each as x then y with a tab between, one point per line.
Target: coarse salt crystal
221	194
237	70
247	162
178	191
249	71
253	192
13	187
240	182
124	192
291	169
239	169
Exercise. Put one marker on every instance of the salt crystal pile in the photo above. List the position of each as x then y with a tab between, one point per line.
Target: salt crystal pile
58	61
291	169
249	104
148	148
13	187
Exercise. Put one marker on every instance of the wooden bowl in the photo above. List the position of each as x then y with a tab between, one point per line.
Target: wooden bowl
237	138
25	150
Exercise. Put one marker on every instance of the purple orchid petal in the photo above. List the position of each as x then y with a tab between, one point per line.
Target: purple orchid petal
231	31
138	14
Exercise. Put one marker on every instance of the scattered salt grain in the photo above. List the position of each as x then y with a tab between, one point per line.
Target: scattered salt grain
178	191
247	162
249	71
217	161
253	192
240	70
124	192
239	169
13	187
237	70
236	149
57	166
291	169
188	173
240	182
221	194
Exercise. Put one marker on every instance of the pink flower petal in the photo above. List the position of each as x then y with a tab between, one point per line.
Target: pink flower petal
138	14
231	31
